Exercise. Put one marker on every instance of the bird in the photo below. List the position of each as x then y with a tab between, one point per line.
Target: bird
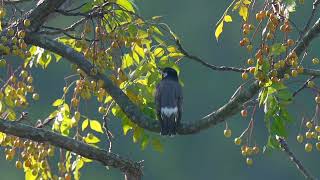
168	100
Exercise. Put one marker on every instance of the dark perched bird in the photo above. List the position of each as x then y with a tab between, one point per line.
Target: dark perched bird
168	99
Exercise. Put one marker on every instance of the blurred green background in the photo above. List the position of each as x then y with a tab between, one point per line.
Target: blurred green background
208	154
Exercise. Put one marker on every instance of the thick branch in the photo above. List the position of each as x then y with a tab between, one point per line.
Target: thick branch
39	15
41	135
133	111
130	109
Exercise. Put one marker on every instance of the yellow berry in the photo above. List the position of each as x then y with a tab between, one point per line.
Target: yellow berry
309	124
308	147
21	34
3	63
249	161
2	13
250	61
315	61
255	149
237	141
101	110
244	76
308	135
318	146
317	99
227	133
300	138
294	73
317	128
26	23
35	96
19	164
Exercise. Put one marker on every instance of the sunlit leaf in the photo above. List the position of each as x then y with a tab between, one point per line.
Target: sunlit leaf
91	139
125	4
58	102
227	18
158	52
219	30
243	12
96	126
85	124
127	61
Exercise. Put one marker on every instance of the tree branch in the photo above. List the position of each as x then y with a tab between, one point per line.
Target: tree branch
211	66
133	111
134	169
293	158
127	106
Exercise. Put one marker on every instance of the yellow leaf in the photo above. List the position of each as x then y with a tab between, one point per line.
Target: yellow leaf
139	50
172	49
246	2
58	102
126	128
85	124
158	52
227	18
125	4
91	139
243	12
96	125
137	134
219	30
236	6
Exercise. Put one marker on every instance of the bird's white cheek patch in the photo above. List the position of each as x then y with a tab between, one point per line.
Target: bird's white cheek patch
169	111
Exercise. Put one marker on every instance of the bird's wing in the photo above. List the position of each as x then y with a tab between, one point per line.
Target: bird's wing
158	100
180	100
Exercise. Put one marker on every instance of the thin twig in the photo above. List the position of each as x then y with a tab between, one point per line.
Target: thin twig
303	86
45	122
293	158
314	8
211	66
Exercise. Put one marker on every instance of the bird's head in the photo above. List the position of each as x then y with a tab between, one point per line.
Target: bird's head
169	73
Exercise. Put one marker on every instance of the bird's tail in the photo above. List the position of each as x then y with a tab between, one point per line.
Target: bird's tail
169	126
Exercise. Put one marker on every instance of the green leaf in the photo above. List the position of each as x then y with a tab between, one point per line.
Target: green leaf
85	124
262	96
285	95
272	142
137	134
96	126
278	127
277	49
125	4
127	61
58	102
144	142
